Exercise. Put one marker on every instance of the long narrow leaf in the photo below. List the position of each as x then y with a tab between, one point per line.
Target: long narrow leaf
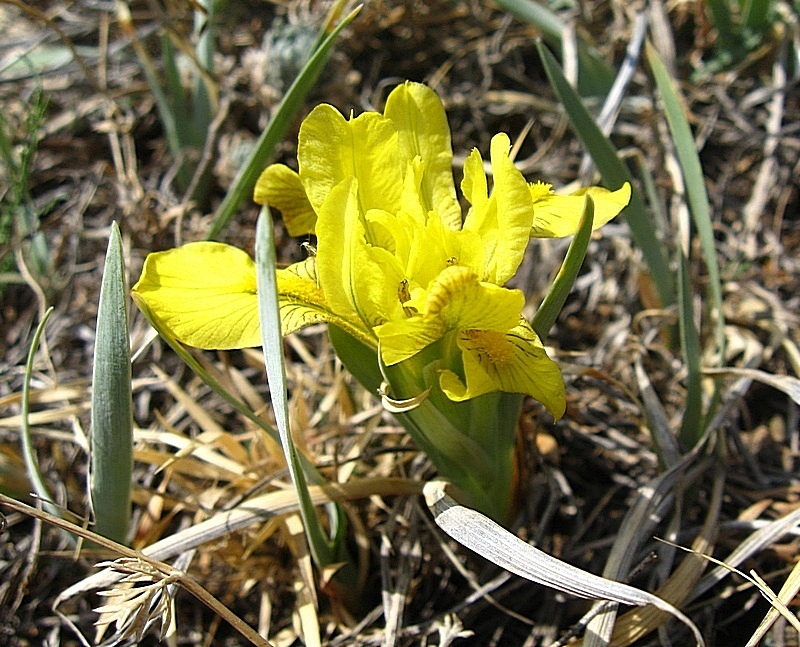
614	173
691	425
112	407
547	313
246	178
696	194
723	22
174	86
272	342
28	452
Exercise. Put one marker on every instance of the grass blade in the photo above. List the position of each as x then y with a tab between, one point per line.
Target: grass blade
246	178
723	22
112	408
614	173
31	461
696	194
692	424
272	342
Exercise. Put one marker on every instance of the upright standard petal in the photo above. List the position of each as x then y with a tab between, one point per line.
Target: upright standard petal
332	149
353	282
423	132
503	220
514	213
556	216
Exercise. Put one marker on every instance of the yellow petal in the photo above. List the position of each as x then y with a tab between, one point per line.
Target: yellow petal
556	216
302	301
474	186
504	220
421	123
514	213
512	362
352	280
280	187
205	293
457	300
332	149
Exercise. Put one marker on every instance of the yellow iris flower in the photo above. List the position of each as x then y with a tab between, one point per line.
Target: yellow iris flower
397	267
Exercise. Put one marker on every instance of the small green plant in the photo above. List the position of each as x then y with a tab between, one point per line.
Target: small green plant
186	107
742	27
19	214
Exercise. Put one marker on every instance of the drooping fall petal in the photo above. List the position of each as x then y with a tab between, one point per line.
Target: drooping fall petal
556	216
514	362
457	300
205	293
302	302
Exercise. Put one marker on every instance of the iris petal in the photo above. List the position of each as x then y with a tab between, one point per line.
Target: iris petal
280	187
514	362
556	216
503	220
332	149
457	300
421	123
205	293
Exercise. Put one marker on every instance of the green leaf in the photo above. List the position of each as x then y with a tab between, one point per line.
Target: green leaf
112	409
322	551
692	423
723	21
28	452
614	173
547	313
696	194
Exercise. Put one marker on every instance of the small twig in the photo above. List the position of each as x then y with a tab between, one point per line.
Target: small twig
767	174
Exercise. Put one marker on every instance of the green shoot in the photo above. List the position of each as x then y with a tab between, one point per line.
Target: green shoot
112	409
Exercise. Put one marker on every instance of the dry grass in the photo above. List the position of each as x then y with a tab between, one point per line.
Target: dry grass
102	157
